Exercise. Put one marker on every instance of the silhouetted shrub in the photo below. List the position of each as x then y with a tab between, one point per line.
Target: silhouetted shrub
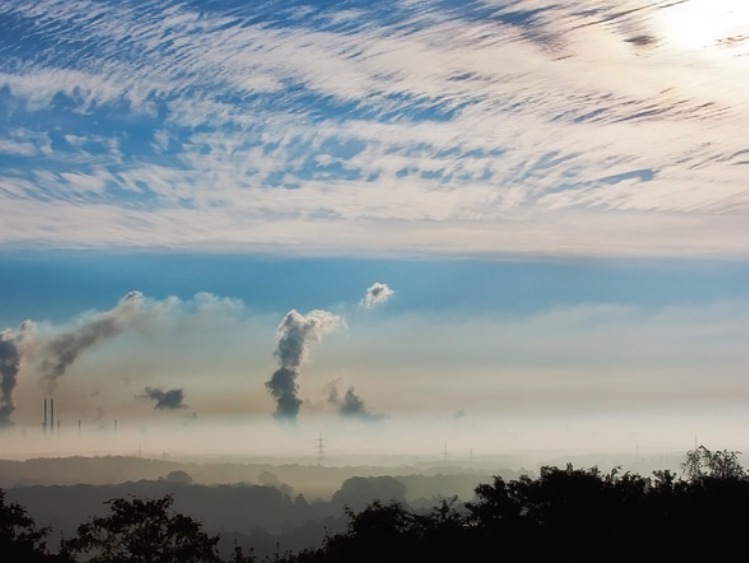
138	530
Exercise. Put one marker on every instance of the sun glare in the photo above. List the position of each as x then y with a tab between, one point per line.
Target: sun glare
699	25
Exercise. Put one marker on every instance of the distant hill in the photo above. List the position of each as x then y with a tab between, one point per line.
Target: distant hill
315	482
260	506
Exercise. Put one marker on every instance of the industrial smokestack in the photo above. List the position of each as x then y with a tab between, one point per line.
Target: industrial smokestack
44	419
52	416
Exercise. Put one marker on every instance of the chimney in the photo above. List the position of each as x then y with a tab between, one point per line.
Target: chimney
52	415
44	420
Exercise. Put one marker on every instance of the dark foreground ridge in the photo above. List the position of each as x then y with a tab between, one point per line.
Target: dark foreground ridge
582	513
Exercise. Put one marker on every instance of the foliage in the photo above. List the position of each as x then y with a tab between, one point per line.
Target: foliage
20	539
582	513
569	511
701	463
142	531
238	555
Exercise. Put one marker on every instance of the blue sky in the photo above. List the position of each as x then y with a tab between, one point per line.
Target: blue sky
556	194
58	286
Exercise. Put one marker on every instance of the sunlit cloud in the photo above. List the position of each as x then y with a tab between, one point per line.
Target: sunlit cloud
288	132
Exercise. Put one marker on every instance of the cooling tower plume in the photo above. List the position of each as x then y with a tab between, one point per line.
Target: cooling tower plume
351	405
61	351
295	332
10	365
165	400
376	294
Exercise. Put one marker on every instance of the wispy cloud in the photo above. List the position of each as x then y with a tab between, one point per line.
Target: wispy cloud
527	124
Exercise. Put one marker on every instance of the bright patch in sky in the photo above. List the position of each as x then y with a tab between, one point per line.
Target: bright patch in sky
705	24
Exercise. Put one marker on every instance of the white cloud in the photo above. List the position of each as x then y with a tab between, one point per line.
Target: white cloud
504	134
376	294
18	148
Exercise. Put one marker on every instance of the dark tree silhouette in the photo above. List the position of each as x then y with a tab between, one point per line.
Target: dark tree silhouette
239	556
20	539
579	513
142	531
701	462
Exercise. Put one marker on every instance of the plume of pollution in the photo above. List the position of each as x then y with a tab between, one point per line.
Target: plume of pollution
295	332
351	405
376	294
63	350
164	400
10	366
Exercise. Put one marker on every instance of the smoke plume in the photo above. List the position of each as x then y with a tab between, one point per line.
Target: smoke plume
351	405
376	294
295	332
165	400
61	352
10	364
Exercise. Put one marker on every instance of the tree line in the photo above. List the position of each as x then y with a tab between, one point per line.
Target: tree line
583	513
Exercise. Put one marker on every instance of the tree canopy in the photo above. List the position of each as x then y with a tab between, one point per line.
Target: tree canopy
142	531
20	539
583	513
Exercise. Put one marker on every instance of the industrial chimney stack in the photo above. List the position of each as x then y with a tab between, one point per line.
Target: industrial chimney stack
48	419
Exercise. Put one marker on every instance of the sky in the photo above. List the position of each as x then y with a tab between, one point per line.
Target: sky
433	226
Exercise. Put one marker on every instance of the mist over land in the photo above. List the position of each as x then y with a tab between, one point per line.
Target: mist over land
263	506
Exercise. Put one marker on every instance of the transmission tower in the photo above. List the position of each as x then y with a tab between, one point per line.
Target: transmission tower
320	447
